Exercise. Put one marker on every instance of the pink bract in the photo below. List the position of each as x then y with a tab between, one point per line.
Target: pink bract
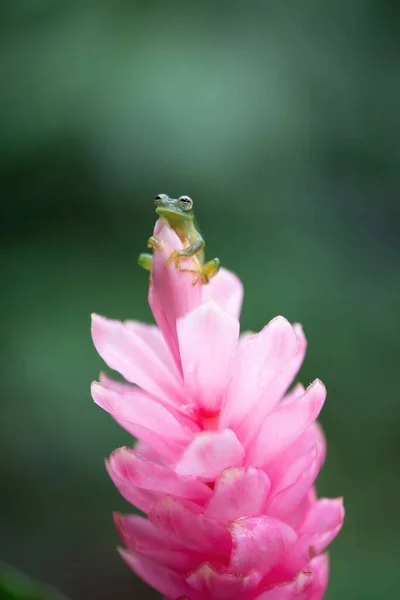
226	458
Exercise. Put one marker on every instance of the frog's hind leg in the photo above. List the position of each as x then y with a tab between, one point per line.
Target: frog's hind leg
145	261
175	257
209	270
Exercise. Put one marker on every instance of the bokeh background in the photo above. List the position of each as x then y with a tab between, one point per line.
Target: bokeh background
281	120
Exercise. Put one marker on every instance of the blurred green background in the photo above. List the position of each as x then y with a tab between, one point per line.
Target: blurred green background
281	119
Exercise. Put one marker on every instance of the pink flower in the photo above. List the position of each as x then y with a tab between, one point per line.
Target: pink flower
227	458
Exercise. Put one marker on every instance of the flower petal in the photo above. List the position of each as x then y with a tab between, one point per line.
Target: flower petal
297	391
323	522
184	524
325	515
238	492
258	543
276	389
165	580
209	453
207	340
144	500
130	351
320	569
141	536
137	408
300	588
148	475
280	470
171	294
309	584
212	584
226	290
261	358
303	474
152	335
283	426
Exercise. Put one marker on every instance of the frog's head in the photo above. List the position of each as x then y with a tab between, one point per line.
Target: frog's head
174	211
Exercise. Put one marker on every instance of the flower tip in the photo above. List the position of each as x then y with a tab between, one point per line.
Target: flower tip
299	331
118	459
126	555
95	317
317	385
281	319
97	325
117	517
118	522
94	385
340	501
281	326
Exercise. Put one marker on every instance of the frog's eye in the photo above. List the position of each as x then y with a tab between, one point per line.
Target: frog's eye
185	202
159	198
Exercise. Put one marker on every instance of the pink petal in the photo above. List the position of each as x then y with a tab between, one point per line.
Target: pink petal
282	427
149	453
260	360
130	351
142	537
300	588
238	492
171	294
158	445
297	515
258	543
303	474
321	525
207	339
298	358
226	290
325	515
144	500
137	408
209	453
165	580
151	334
148	475
185	525
309	584
216	585
280	471
278	386
320	570
297	391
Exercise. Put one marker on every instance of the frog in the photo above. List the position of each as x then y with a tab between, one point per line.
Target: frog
179	215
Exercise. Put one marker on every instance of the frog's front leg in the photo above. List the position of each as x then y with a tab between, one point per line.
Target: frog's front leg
189	252
154	242
145	261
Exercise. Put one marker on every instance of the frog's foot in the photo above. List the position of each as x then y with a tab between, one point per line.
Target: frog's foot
154	243
210	269
145	261
175	257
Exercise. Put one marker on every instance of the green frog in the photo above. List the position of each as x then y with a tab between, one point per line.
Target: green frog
179	215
